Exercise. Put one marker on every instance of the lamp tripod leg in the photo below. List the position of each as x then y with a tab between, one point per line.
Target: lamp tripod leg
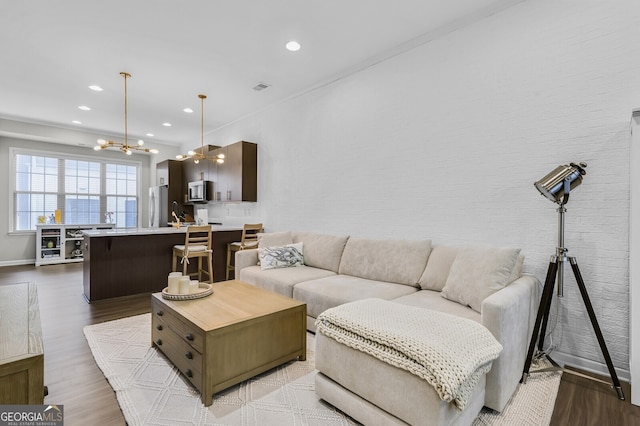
596	327
543	315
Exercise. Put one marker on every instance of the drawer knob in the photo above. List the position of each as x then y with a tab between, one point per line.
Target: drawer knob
189	337
189	355
159	342
160	313
159	327
188	373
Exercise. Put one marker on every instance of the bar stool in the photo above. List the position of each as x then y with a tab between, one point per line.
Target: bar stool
197	243
249	240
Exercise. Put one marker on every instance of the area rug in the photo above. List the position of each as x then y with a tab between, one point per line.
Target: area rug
151	391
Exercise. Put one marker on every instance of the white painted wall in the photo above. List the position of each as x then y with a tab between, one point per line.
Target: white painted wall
634	264
446	140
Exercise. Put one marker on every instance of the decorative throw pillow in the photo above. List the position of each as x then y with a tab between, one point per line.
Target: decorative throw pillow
281	257
477	273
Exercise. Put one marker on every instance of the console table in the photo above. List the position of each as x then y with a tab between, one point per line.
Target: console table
21	348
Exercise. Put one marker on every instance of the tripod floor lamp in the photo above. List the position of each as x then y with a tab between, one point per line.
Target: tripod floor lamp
556	186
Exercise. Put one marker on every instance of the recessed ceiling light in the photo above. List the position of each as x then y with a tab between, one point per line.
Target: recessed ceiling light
96	88
188	110
292	45
84	108
77	122
166	124
150	135
261	86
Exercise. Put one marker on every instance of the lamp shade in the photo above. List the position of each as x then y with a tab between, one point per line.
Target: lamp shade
560	181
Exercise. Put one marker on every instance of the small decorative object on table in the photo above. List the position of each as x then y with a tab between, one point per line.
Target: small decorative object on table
204	290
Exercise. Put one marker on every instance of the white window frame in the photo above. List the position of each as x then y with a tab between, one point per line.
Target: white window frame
14	151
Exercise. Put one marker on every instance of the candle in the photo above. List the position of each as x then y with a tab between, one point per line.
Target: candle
173	280
193	286
184	285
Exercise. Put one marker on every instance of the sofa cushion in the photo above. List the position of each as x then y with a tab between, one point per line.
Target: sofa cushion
274	239
281	280
477	272
281	257
321	251
429	299
516	272
394	261
438	266
329	292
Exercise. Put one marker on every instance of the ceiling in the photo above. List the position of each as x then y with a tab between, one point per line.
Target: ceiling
51	51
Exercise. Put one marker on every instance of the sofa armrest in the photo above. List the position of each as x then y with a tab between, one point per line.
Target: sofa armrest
510	316
245	258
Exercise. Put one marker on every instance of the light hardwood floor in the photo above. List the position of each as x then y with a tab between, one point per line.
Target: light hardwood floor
75	381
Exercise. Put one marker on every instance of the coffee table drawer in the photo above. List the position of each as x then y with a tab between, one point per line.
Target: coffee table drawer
185	330
182	355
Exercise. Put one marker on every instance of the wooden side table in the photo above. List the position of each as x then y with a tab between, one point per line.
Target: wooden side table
21	348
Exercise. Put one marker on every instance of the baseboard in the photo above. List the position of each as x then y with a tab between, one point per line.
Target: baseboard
588	365
18	262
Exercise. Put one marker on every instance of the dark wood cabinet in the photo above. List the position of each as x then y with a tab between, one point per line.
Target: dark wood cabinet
171	174
234	180
237	178
203	170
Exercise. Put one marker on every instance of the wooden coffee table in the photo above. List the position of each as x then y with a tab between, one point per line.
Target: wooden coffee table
230	336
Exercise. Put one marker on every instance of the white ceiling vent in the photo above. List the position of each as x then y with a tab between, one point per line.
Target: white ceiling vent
261	86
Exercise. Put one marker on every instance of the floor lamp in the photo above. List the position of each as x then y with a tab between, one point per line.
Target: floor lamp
556	186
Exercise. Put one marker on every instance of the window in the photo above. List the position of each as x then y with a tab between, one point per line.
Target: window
84	189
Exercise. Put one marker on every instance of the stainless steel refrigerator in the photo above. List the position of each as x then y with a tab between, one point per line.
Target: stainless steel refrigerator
158	206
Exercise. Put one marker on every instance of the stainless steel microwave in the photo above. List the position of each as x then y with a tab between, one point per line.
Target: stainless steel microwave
199	191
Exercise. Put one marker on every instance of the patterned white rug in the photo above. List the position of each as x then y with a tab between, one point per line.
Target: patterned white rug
150	390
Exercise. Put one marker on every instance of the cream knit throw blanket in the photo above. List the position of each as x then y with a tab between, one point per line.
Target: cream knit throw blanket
449	352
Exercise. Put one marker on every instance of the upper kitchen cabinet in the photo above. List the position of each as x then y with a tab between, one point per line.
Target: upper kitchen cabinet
237	178
169	172
203	170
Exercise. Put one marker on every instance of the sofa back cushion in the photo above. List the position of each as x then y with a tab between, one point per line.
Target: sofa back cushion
477	272
438	266
396	261
320	250
275	239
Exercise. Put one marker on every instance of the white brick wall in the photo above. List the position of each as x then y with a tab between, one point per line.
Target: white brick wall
446	140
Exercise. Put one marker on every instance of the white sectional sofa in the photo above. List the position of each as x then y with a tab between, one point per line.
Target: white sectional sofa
481	283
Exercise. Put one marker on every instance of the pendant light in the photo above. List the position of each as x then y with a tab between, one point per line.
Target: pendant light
124	147
197	156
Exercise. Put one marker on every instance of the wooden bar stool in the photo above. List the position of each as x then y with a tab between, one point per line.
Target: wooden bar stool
249	240
197	244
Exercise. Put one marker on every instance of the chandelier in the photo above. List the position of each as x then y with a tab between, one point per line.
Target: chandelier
200	155
124	147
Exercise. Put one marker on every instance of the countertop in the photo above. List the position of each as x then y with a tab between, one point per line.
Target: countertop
152	231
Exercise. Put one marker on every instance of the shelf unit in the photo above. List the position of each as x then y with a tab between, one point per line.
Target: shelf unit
58	243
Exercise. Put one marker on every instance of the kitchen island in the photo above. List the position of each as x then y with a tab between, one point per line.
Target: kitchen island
123	262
